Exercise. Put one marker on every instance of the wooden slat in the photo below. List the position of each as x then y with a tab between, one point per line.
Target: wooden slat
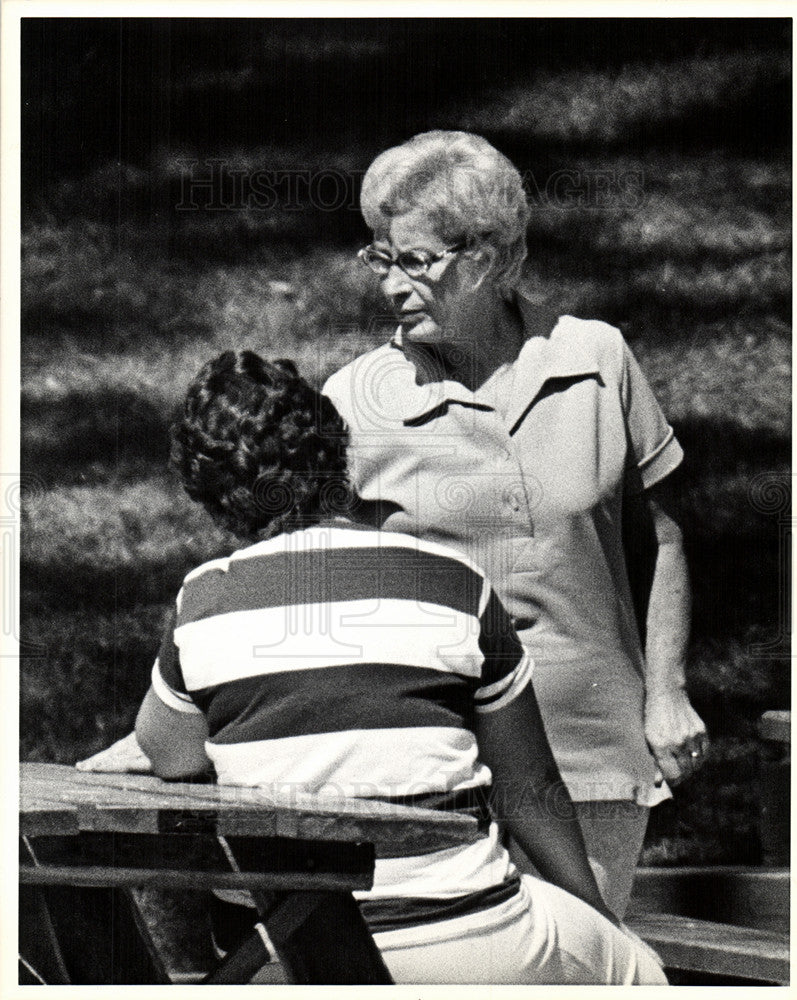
775	726
106	809
393	835
205	856
729	894
719	949
42	817
172	878
137	803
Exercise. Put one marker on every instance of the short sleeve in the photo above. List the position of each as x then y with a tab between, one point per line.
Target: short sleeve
507	667
167	676
337	388
654	451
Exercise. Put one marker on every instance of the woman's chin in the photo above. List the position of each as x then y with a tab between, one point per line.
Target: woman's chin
420	330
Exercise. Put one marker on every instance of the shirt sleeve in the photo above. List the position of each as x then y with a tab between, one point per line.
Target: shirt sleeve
507	666
167	675
337	388
654	451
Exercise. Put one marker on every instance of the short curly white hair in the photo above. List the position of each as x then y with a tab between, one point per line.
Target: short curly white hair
469	190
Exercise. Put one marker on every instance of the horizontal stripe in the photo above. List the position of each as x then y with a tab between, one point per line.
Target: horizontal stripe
393	913
321	576
174	699
233	912
354	696
354	537
362	763
250	643
168	658
335	536
498	699
443	874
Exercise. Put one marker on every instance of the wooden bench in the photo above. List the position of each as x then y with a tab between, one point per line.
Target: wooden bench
729	922
720	950
87	839
741	895
725	921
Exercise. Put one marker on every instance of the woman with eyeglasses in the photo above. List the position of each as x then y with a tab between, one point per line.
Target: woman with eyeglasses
533	443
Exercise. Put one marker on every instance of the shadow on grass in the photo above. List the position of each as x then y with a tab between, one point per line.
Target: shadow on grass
153	271
715	447
734	494
83	691
102	427
119	88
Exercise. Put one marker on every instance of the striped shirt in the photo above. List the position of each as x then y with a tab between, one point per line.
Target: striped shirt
347	661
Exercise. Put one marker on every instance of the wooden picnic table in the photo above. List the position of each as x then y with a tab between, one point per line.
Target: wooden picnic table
86	840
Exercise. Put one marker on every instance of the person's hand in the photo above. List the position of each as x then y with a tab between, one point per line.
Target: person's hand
123	757
675	733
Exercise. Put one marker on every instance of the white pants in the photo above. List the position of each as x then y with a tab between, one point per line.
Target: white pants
543	935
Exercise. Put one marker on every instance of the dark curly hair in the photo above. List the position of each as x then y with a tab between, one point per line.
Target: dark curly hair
258	447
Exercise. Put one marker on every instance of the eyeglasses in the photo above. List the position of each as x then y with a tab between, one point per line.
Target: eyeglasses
414	263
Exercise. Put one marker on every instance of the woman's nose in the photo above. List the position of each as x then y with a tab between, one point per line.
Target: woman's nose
395	282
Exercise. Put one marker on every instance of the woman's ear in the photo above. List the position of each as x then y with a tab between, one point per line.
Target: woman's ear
484	258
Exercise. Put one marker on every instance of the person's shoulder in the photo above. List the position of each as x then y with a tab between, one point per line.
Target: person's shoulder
216	569
591	334
568	339
339	385
591	340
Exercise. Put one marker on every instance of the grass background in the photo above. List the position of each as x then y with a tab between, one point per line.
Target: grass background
685	244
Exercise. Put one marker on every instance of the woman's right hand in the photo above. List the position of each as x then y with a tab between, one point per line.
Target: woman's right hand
123	757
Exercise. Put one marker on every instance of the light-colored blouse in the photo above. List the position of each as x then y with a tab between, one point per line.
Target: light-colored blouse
532	491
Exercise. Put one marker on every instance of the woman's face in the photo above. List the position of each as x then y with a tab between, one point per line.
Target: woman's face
431	309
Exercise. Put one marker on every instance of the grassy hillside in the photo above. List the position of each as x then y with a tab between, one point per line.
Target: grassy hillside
656	156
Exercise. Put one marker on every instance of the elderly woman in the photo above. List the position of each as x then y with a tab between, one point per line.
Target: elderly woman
533	443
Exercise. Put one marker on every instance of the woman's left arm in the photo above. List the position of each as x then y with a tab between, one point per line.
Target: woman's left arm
530	798
173	741
675	732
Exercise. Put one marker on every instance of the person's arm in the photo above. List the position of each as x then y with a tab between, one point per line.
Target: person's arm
531	799
173	741
675	732
658	576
